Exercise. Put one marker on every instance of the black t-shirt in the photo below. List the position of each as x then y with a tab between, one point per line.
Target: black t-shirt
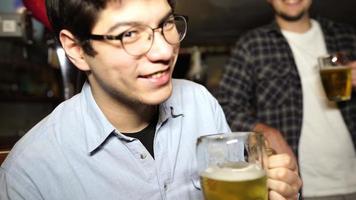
146	135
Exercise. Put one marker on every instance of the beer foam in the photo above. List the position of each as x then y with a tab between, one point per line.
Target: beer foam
339	67
249	172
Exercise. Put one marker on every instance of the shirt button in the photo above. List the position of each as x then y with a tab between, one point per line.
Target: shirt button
143	156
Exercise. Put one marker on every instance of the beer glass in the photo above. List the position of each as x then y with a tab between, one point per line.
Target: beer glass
335	76
232	166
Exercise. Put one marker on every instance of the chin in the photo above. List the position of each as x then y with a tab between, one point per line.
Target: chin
158	97
292	18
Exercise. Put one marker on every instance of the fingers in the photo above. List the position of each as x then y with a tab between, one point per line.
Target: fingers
283	178
283	181
270	152
352	64
353	72
283	174
272	195
353	75
276	141
282	160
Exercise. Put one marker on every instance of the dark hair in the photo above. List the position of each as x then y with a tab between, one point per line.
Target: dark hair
79	17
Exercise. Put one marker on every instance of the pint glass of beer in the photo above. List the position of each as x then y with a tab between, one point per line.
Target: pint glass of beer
335	76
232	166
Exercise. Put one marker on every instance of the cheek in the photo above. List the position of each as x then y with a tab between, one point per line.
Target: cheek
113	67
115	61
309	2
123	70
175	55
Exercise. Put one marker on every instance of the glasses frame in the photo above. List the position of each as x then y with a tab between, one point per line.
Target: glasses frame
160	27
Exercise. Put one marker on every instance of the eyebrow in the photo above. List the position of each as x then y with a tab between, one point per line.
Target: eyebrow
115	26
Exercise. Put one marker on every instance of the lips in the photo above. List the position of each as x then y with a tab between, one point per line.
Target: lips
157	79
291	2
155	75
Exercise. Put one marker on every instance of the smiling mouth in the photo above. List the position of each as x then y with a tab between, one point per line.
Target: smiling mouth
291	1
156	75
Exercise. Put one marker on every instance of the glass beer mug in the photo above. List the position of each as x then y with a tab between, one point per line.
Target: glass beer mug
335	76
232	166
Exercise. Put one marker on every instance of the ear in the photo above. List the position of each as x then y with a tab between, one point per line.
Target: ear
73	50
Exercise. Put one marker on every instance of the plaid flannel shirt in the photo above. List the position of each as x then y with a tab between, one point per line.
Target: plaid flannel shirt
261	81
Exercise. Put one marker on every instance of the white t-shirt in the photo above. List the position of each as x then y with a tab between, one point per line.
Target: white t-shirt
326	154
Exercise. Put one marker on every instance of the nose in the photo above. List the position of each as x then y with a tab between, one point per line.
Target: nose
160	49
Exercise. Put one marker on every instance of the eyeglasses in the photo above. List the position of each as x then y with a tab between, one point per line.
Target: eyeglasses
138	39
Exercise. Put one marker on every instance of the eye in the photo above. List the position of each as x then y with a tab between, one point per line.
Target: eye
169	24
130	34
133	34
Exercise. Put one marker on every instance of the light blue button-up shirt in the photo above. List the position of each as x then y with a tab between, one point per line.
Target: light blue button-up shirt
76	153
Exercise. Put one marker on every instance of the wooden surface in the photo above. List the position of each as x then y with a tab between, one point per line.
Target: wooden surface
6	143
3	154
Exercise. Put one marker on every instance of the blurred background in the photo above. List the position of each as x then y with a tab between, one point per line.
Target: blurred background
35	75
219	22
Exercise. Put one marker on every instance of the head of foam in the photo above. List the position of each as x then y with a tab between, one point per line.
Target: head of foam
249	172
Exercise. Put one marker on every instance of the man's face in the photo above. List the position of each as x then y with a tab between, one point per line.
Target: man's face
290	10
115	74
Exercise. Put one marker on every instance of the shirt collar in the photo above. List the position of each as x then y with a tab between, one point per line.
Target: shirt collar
97	126
171	108
272	27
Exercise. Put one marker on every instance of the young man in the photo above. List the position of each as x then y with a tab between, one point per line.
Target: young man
131	132
271	84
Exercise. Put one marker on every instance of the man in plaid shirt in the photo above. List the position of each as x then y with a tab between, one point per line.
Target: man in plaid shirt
271	84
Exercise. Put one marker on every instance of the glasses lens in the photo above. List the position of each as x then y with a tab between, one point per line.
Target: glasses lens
174	29
137	40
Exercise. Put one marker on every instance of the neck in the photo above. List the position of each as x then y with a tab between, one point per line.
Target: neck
300	26
132	119
126	117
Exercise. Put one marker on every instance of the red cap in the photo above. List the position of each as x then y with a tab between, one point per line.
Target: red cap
38	9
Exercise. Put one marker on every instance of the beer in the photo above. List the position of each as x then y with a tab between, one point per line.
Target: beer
239	182
336	82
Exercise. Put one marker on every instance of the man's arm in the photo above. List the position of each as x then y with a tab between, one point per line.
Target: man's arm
16	187
275	139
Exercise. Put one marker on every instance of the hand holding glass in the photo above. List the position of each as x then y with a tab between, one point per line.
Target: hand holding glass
335	76
232	166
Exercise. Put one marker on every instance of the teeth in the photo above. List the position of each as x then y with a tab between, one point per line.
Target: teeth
157	75
291	1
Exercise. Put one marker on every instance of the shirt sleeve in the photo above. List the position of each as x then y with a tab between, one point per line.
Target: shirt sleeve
222	124
3	186
15	187
217	112
236	91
